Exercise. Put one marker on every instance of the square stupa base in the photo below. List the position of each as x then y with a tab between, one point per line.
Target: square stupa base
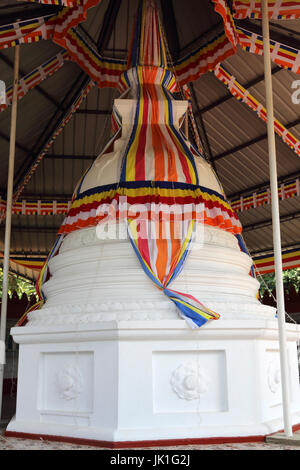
132	383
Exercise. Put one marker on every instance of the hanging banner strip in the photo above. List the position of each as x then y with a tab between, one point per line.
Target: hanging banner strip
261	198
278	9
35	77
64	122
203	59
264	264
37	207
46	27
61	3
34	263
104	71
222	7
26	32
252	201
285	56
240	93
59	129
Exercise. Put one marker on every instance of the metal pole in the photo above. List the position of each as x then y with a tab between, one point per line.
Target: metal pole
9	198
276	225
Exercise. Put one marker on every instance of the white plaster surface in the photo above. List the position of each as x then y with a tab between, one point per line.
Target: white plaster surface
133	381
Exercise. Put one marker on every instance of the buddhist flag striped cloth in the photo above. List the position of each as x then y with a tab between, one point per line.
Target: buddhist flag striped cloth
162	261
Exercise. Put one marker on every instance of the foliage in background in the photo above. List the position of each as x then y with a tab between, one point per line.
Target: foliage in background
17	284
291	277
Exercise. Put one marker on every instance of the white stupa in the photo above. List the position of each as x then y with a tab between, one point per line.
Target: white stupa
112	358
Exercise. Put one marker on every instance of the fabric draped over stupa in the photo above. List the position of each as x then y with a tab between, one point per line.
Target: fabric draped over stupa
154	184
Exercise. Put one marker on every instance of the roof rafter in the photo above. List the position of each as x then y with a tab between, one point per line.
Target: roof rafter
38	88
170	27
18	144
202	130
263	185
63	109
53	124
282	36
250	142
229	96
26	11
268	222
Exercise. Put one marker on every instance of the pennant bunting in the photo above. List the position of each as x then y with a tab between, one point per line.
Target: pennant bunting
264	264
240	93
35	77
278	9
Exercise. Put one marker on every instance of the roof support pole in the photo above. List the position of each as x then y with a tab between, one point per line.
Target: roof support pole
276	224
9	198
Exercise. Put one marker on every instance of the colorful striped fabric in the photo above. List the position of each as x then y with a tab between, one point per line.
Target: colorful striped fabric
103	71
59	129
158	190
163	259
61	3
35	77
264	264
222	7
285	56
44	272
240	93
61	28
204	59
26	32
204	205
53	207
33	263
278	9
260	198
37	207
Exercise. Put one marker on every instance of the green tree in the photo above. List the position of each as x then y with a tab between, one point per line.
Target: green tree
17	284
291	277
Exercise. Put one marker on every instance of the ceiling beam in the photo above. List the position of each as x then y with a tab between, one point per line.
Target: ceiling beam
108	24
101	112
276	33
25	11
17	144
42	92
46	197
66	103
268	222
204	37
262	186
55	120
28	229
202	131
62	156
170	27
260	78
270	249
250	142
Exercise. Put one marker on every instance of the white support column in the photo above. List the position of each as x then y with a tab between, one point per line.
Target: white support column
276	224
9	198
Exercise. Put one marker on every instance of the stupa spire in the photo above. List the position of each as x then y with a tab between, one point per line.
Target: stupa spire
147	47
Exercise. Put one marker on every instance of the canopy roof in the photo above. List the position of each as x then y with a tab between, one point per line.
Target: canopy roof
233	136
